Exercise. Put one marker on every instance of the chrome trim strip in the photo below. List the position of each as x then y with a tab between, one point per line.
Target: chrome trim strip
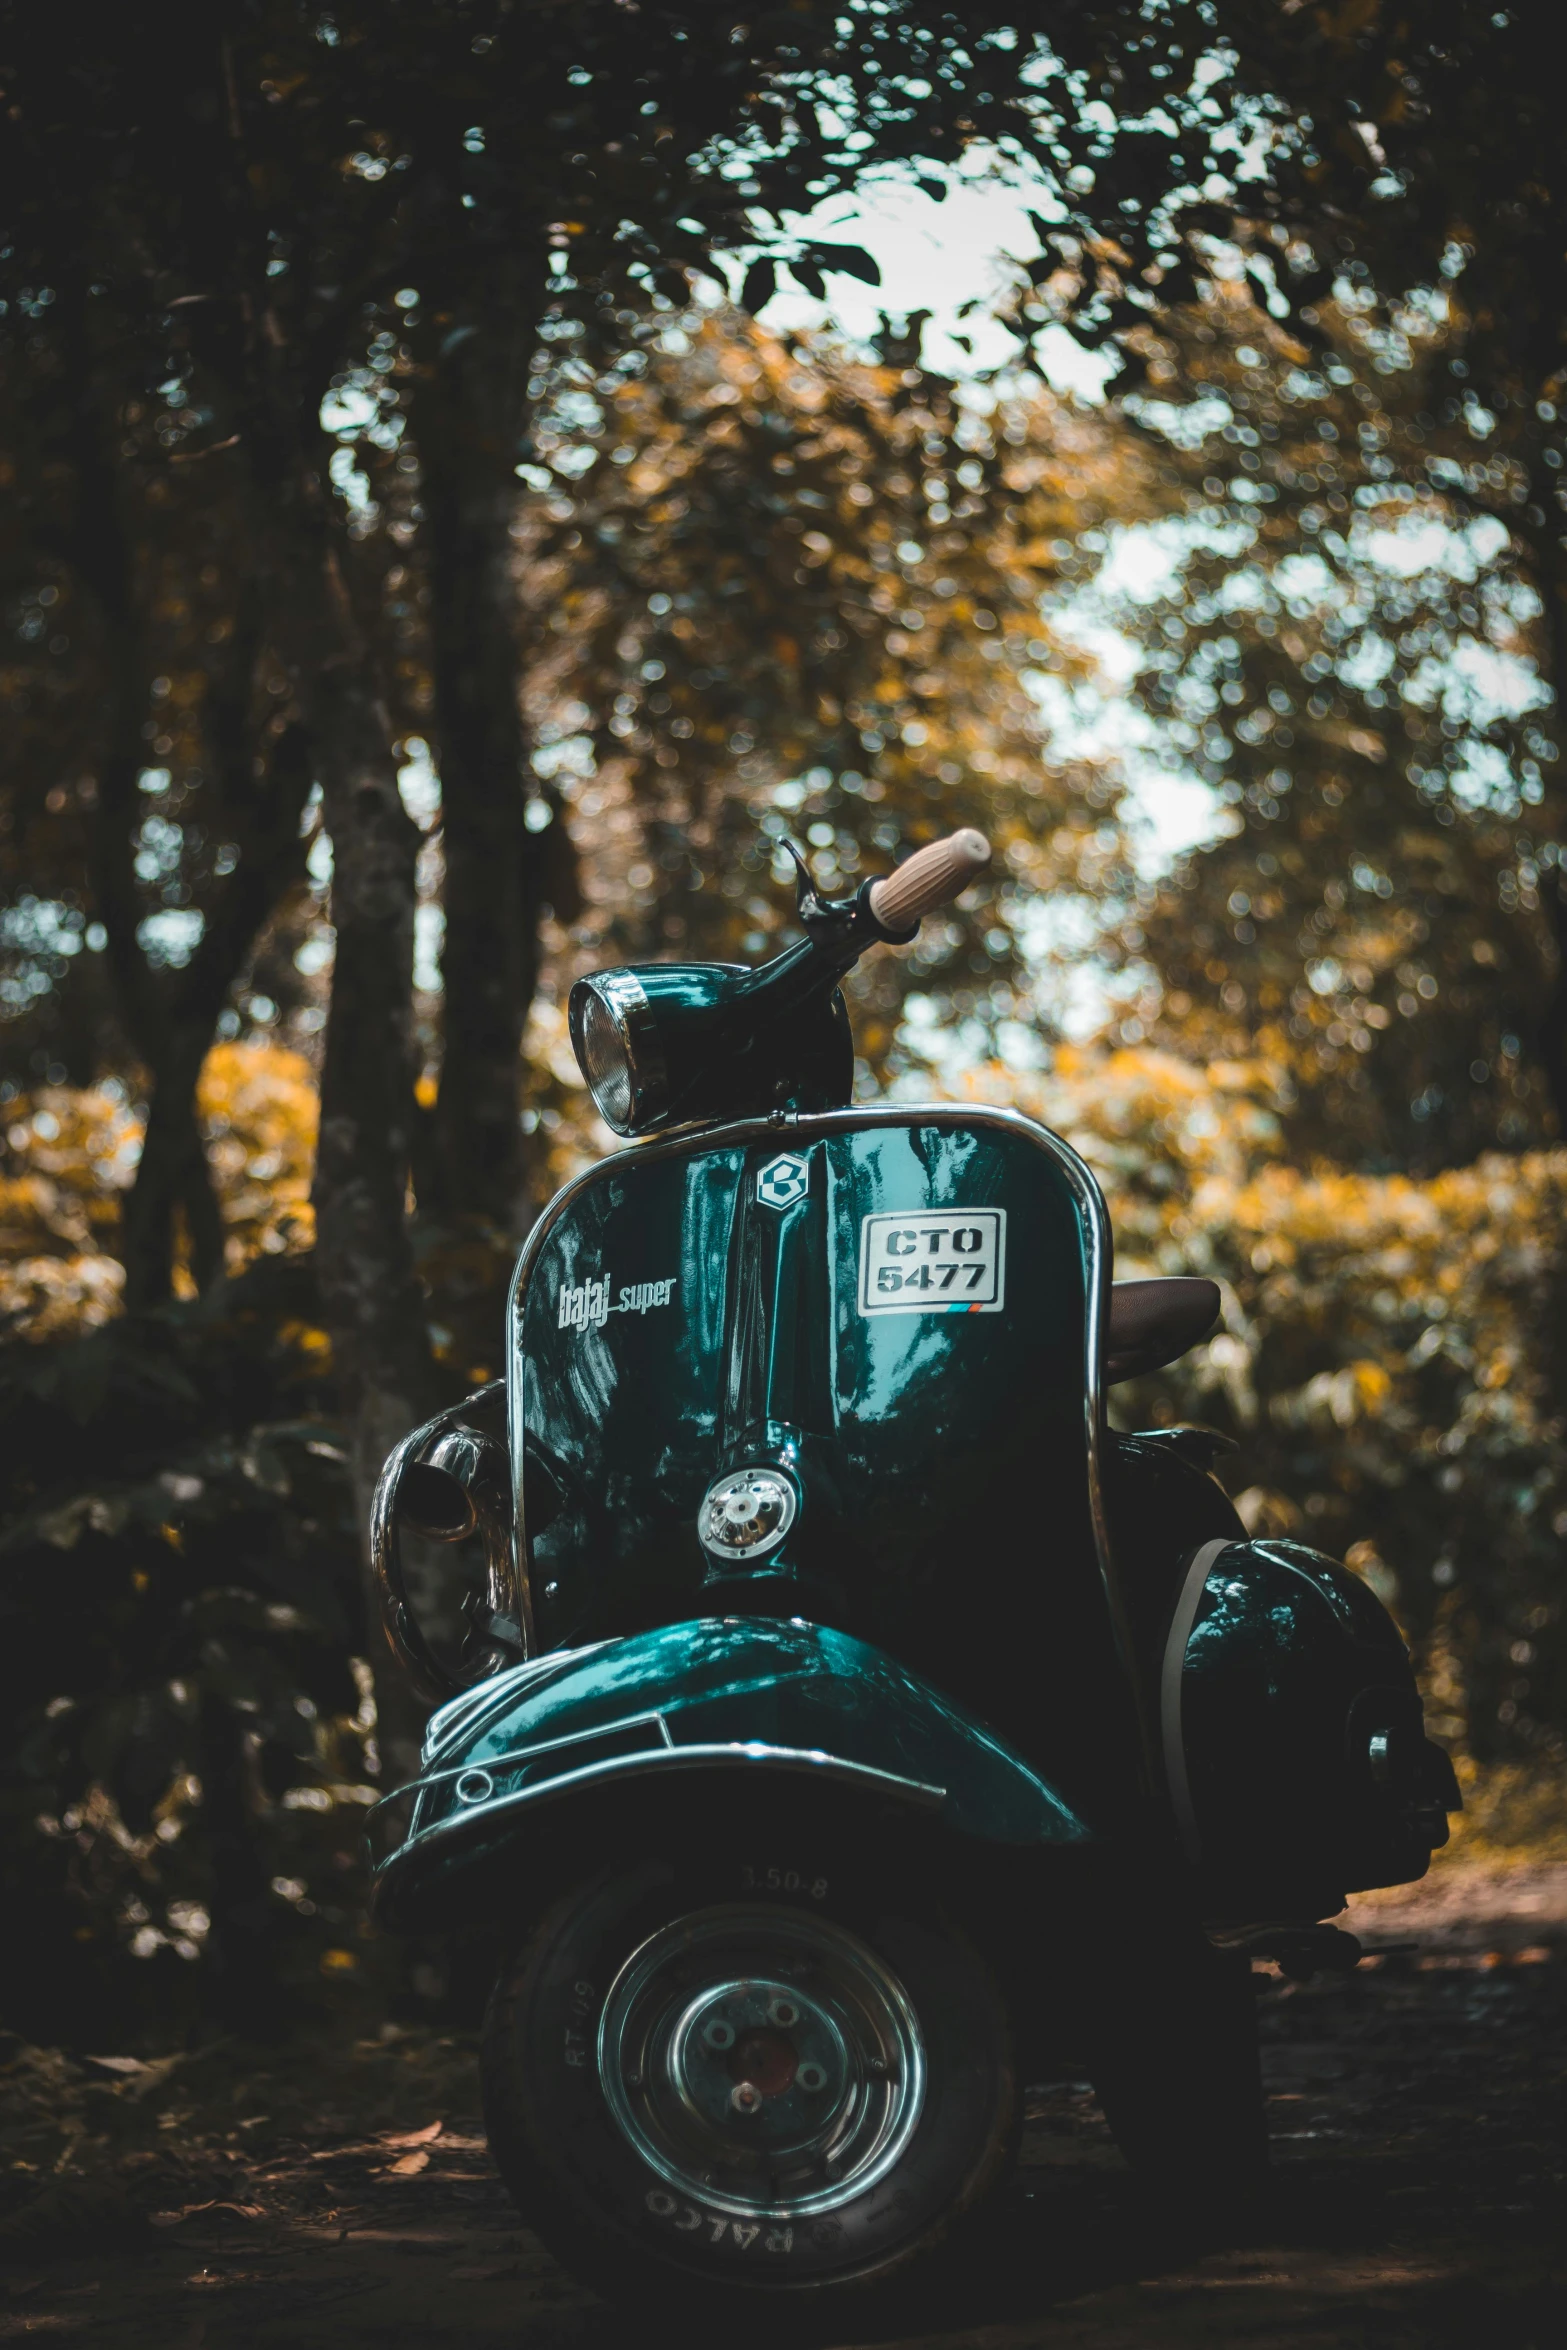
517	1755
461	1715
808	1127
663	1758
1175	1777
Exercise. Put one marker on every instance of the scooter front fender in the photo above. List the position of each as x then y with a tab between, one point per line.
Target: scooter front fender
735	1697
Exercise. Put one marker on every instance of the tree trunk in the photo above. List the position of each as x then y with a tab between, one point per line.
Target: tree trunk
171	1146
371	1298
172	1171
165	1026
243	1947
470	412
1552	1034
169	1018
488	957
173	1179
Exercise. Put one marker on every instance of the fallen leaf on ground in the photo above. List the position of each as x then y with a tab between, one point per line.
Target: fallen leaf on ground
134	2077
424	2137
407	2166
186	2211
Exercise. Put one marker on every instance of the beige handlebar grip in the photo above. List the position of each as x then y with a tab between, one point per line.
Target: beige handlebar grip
932	877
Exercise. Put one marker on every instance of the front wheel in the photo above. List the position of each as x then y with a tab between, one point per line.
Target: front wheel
1178	2071
748	2080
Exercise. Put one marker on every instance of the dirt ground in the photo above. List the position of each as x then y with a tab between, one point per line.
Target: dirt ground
345	2198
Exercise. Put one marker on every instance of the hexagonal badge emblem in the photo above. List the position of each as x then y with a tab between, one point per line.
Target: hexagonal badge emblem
783	1180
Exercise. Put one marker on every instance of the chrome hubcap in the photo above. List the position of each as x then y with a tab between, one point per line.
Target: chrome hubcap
767	2063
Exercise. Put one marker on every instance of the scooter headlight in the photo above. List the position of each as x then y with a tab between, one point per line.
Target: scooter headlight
616	1044
689	1041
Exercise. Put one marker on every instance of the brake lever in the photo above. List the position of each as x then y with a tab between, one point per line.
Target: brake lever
839	928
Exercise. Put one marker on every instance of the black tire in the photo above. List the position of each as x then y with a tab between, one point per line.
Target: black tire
599	2020
1178	2073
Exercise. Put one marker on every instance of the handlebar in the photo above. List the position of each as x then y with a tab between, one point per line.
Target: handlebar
932	877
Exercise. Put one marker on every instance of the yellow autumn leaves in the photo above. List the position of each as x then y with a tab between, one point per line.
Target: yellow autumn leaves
69	1153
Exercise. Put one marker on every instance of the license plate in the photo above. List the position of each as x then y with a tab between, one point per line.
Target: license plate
947	1261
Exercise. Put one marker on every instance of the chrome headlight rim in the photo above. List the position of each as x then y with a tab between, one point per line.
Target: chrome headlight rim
619	998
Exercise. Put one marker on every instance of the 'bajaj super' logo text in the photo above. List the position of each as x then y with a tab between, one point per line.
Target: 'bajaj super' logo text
586	1305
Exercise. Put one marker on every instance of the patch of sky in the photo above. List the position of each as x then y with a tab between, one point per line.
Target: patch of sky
1167	807
1186	424
953	258
1304	579
563	759
170	937
418	785
1488	780
429	937
1424	544
40	932
315	954
578	411
351	485
1366	662
1476	685
349	407
1071	980
160	845
945	1048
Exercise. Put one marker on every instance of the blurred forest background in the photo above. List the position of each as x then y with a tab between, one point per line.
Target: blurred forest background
425	577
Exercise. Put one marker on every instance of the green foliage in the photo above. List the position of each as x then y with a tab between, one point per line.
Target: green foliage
779	589
188	1737
1416	149
1352	654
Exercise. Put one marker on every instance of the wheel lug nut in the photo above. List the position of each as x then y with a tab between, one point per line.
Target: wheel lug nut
718	2034
745	2097
783	2013
812	2077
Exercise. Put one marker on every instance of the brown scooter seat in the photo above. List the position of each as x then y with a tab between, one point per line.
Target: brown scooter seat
1155	1322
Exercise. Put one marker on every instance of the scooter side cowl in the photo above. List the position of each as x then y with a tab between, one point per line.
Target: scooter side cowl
723	1696
1295	1754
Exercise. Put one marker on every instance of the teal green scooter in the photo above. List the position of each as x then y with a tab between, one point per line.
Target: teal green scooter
852	1727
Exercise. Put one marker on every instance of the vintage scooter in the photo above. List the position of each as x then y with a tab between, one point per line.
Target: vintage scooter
855	1727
